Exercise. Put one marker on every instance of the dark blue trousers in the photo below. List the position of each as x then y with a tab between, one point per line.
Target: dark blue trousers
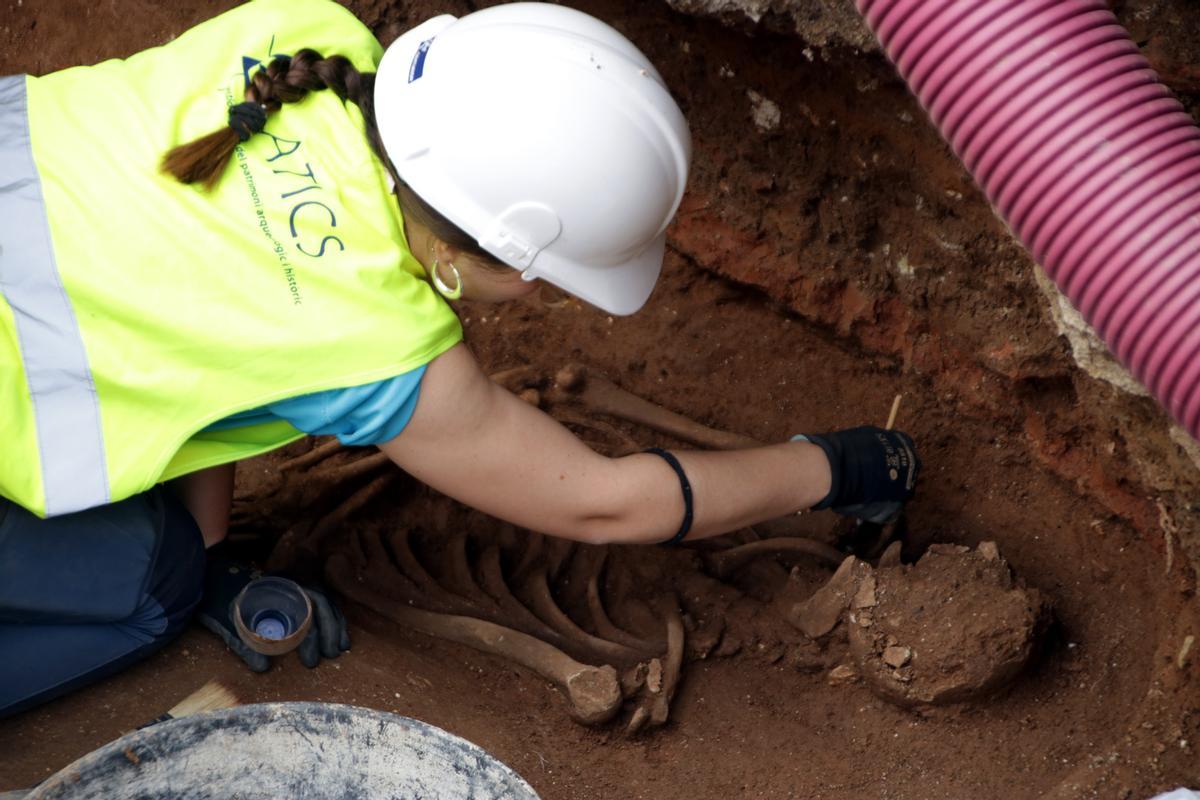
85	595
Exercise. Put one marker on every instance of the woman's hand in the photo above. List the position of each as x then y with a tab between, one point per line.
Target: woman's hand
874	471
475	441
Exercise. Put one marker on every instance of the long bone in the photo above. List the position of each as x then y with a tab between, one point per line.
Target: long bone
526	382
599	394
374	558
593	693
516	379
626	444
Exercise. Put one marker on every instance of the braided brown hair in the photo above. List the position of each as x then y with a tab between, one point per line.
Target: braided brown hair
287	80
283	80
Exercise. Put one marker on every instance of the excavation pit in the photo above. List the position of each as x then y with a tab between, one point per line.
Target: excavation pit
829	254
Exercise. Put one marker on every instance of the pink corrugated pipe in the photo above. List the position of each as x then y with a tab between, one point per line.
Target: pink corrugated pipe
1090	159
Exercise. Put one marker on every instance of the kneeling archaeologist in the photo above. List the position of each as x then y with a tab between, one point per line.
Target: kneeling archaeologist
175	298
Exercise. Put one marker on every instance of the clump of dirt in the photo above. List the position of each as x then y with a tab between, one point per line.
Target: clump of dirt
955	626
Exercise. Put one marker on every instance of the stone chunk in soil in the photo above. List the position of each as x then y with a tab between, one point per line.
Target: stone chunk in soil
842	675
896	657
953	627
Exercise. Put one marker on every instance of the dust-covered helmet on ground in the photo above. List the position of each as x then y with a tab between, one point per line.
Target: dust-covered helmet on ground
547	136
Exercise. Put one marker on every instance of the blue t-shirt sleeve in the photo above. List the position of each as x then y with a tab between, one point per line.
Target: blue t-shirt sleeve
360	415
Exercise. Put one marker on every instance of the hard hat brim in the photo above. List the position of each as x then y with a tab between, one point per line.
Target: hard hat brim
620	289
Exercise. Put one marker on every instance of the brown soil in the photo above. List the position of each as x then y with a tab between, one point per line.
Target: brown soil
953	627
817	268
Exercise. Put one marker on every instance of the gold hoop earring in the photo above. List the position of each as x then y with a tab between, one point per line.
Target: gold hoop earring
444	290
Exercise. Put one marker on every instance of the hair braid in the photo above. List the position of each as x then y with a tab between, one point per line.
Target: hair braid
283	80
288	80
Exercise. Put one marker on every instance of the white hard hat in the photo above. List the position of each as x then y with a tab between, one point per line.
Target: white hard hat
545	135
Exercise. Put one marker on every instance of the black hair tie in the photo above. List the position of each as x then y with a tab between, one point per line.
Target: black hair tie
247	119
685	486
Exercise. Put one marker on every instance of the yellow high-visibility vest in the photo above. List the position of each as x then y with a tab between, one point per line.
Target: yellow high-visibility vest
136	311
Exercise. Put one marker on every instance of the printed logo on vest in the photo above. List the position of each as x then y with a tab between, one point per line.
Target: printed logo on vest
250	64
310	218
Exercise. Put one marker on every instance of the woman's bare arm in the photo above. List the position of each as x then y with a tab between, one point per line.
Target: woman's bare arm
208	495
476	442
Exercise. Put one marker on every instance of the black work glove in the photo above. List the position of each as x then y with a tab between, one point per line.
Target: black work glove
224	579
874	471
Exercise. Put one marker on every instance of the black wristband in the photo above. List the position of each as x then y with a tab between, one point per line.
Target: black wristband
685	486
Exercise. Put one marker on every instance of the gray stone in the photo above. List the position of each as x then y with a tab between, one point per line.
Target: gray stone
822	23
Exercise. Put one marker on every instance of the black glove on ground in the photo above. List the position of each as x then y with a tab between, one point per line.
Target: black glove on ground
225	578
874	471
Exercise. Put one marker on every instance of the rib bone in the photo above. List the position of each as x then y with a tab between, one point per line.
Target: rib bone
318	453
457	571
592	572
593	693
491	577
536	592
726	562
295	546
662	677
408	564
606	628
661	706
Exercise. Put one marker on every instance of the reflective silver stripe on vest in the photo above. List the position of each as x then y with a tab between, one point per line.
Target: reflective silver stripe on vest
65	405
